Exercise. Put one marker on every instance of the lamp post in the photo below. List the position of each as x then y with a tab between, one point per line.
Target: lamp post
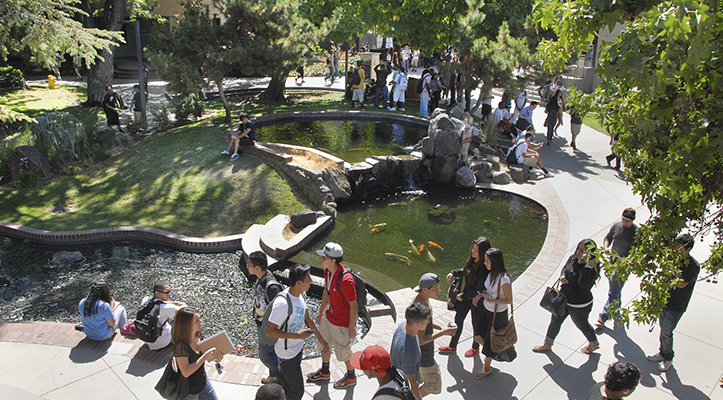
141	76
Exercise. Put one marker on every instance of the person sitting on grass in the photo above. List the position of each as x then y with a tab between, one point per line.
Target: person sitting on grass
243	134
100	313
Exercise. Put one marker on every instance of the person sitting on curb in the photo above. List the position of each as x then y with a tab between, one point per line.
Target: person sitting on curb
162	292
526	156
100	313
243	134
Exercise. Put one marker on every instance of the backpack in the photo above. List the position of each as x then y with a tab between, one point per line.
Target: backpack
454	289
511	157
404	392
264	338
146	322
355	77
420	83
361	292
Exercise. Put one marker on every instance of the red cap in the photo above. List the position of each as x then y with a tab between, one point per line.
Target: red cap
373	358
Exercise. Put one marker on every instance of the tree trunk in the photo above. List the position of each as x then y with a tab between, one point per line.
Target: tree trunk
274	93
100	74
478	103
226	106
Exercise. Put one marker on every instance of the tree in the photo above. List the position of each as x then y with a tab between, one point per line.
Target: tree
660	95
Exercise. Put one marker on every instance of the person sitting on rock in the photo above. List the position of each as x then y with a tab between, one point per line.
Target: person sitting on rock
526	156
502	119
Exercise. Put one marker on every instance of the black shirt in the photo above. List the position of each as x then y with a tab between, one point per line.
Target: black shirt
580	279
427	359
197	380
623	239
680	297
252	133
382	72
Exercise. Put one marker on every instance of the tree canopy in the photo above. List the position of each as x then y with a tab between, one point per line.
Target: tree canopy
660	94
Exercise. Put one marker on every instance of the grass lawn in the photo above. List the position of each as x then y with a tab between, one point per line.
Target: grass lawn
176	181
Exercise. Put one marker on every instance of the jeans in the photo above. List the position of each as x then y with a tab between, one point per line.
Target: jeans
207	393
668	321
579	317
292	379
463	308
616	286
423	104
268	357
551	121
384	93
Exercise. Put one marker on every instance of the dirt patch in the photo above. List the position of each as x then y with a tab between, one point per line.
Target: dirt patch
306	159
287	233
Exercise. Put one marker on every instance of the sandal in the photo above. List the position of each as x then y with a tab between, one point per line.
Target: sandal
483	374
541	348
589	349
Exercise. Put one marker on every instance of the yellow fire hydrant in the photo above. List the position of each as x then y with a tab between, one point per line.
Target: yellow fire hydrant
51	82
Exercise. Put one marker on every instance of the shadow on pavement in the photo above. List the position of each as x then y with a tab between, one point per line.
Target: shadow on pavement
575	381
88	351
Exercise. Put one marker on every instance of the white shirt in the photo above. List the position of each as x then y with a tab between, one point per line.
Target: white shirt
522	99
520	155
492	290
500	114
289	348
391	385
166	313
401	81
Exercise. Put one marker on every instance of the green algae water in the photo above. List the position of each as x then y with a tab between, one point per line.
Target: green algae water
514	224
352	141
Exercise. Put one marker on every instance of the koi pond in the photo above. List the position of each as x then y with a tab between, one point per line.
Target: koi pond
376	234
352	141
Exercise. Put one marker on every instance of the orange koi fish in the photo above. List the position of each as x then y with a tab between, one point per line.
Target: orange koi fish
431	243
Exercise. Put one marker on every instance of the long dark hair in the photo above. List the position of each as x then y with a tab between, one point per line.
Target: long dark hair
470	267
590	247
497	263
99	291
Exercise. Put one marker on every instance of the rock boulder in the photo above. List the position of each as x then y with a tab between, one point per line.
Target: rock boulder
302	219
465	177
28	160
339	184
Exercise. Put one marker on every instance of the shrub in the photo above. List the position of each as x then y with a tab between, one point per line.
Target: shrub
490	130
184	107
61	138
160	116
26	176
11	78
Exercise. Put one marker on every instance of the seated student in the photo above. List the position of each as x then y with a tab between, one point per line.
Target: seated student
526	156
525	118
502	119
162	293
100	313
244	134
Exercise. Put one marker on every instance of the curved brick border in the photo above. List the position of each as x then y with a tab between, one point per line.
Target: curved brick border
145	234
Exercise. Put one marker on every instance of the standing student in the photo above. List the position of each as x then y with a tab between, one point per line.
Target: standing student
498	292
136	104
337	322
474	273
112	106
405	351
265	290
400	87
430	375
357	90
290	330
191	362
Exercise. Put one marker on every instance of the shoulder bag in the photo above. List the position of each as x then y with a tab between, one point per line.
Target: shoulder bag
173	385
506	337
553	300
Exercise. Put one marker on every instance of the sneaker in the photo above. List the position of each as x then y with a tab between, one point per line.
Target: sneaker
345	382
234	156
401	109
447	350
549	175
269	379
318	376
225	153
471	352
600	324
665	365
79	327
394	109
655	357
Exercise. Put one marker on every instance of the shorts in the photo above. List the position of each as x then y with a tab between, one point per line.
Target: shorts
399	95
432	379
530	161
357	95
338	338
575	129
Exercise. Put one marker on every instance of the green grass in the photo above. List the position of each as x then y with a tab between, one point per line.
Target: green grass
176	182
593	122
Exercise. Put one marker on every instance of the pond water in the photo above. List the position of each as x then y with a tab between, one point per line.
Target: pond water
514	224
352	141
211	283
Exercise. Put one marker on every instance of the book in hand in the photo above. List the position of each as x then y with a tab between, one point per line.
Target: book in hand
220	341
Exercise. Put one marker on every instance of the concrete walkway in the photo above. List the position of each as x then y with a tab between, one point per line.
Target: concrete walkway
592	195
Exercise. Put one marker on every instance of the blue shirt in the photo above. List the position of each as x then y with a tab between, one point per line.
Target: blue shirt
405	352
96	325
526	112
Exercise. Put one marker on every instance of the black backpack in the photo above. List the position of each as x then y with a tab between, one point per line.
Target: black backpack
146	322
404	392
420	82
361	292
355	77
454	289
511	157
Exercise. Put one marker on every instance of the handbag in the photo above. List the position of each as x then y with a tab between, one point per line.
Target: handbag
554	301
454	289
507	336
173	385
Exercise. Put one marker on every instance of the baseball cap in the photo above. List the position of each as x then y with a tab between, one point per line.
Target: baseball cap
373	358
629	213
427	281
332	250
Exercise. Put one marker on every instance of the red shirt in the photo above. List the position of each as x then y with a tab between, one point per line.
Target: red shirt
338	312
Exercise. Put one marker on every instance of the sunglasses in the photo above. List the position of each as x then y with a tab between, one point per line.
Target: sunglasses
164	291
